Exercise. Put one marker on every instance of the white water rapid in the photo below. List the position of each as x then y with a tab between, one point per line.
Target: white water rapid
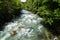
26	27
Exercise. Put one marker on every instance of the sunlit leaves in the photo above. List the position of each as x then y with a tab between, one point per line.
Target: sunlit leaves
57	13
49	20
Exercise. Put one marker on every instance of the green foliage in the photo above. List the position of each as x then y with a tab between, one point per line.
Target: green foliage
44	8
9	6
57	13
27	5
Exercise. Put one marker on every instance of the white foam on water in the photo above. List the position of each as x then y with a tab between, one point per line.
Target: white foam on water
6	36
23	28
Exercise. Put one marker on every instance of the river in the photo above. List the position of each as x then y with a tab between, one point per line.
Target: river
27	27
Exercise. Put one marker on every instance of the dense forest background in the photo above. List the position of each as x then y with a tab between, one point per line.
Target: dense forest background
49	10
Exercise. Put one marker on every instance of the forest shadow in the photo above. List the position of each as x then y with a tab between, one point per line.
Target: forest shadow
6	17
54	28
